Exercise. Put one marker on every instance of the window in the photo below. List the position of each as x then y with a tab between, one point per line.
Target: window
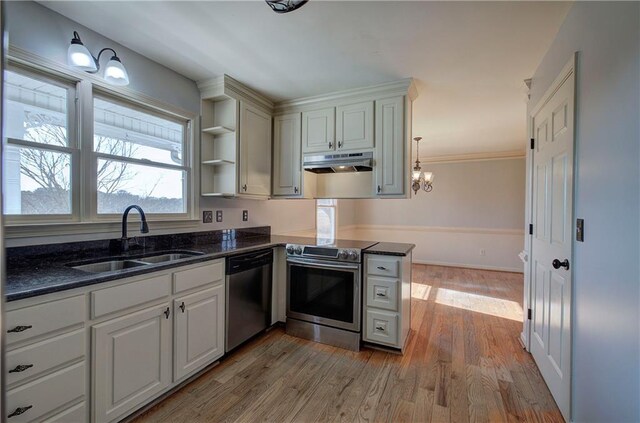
133	154
326	219
40	146
139	158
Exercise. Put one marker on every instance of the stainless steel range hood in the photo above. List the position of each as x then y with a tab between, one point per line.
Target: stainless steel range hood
339	163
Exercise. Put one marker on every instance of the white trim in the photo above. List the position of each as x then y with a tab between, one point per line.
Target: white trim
402	87
226	86
407	228
475	157
468	266
566	72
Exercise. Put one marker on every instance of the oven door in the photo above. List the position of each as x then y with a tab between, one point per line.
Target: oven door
327	293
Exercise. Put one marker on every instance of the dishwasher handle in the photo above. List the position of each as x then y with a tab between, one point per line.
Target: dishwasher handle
248	261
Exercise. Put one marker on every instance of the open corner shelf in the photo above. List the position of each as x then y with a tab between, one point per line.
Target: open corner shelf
218	130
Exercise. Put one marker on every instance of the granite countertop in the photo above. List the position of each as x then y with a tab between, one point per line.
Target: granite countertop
39	270
390	249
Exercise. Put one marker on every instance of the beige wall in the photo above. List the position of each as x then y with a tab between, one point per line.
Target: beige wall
474	207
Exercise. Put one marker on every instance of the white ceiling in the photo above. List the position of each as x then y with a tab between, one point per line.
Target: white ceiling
469	59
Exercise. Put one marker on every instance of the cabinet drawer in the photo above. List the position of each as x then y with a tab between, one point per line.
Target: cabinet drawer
383	266
122	297
382	327
29	322
75	414
382	293
198	276
46	394
35	359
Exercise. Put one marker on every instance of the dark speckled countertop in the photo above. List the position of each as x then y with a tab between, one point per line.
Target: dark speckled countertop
39	270
390	249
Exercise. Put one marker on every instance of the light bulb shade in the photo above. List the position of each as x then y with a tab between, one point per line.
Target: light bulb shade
79	57
415	175
428	177
115	73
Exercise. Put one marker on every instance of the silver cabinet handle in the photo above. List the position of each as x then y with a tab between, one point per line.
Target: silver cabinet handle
21	368
19	329
20	410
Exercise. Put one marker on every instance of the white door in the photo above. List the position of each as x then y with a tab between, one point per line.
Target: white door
287	161
354	126
199	330
318	130
389	165
255	151
552	218
131	361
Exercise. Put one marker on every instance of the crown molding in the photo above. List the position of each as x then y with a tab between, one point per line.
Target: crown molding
401	87
226	86
475	157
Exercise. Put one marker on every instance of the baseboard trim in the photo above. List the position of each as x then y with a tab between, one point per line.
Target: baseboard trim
469	266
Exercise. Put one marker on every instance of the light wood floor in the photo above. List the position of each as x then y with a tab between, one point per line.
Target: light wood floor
463	363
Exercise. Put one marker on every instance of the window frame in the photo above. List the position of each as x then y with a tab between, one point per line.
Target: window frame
73	147
333	206
84	218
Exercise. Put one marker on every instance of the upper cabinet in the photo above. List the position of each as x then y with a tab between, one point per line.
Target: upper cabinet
390	174
318	130
235	148
354	126
287	159
255	151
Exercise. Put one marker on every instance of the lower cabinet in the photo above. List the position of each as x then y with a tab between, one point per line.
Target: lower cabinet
198	330
131	361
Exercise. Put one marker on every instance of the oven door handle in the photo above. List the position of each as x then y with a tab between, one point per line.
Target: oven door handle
324	265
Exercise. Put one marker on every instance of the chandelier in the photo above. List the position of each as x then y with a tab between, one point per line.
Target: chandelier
285	6
420	180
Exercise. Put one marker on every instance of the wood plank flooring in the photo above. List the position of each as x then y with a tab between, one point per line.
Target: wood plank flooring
463	363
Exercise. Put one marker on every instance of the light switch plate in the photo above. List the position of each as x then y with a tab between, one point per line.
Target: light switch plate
207	216
218	215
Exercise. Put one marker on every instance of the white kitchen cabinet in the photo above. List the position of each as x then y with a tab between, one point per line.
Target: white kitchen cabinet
131	361
287	159
387	300
254	151
198	330
354	126
391	175
318	130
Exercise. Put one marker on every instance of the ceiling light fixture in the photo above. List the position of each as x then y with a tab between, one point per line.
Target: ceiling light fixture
285	6
79	57
419	179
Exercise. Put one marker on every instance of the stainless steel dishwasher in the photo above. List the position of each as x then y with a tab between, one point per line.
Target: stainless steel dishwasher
248	289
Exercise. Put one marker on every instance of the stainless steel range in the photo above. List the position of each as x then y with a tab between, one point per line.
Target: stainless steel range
324	292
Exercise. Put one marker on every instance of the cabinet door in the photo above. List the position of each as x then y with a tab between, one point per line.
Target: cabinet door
199	330
318	130
255	151
391	176
287	162
131	361
354	126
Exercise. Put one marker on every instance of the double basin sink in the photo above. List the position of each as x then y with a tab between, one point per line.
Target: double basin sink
130	263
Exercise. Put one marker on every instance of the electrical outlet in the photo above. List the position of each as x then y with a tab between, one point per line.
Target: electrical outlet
207	216
245	215
483	252
218	215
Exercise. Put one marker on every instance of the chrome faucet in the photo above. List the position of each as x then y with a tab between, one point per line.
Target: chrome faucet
122	245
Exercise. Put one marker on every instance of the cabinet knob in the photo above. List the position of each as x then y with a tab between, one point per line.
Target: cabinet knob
19	329
379	189
20	410
21	368
330	145
295	190
244	187
339	144
182	307
167	312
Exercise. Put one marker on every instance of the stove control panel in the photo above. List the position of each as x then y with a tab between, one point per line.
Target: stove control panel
320	252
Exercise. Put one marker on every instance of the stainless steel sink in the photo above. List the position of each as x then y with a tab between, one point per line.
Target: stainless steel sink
129	263
162	258
109	266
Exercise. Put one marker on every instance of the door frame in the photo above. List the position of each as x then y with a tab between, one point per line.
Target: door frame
569	69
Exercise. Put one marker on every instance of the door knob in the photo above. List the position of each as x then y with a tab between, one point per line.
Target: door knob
557	264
